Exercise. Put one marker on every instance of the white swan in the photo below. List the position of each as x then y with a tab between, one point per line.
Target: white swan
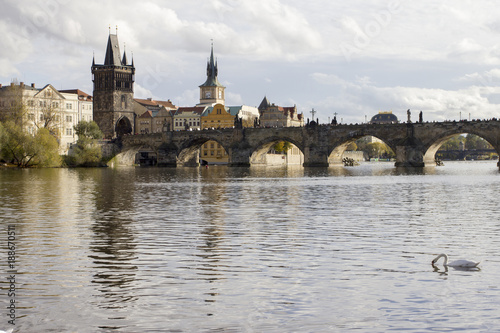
456	263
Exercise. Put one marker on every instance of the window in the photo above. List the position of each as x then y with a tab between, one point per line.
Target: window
55	105
69	119
69	106
31	116
69	131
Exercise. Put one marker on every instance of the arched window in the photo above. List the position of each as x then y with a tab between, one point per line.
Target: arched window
124	102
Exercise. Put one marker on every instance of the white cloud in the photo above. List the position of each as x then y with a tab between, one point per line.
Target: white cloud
187	98
141	92
437	104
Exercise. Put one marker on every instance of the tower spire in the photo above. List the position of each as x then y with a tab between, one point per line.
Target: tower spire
124	59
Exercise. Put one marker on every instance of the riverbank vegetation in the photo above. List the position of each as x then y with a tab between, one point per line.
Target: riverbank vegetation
86	152
22	148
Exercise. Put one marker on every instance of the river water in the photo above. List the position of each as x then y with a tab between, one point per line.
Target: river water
251	250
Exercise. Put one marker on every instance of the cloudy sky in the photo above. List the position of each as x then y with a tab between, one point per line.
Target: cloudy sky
350	58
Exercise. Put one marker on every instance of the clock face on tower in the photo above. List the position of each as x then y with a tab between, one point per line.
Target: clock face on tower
208	94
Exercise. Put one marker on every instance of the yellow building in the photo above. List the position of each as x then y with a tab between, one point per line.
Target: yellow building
221	116
218	116
214	117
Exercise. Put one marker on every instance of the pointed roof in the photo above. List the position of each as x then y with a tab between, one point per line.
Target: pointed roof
147	114
51	88
112	52
124	59
212	72
264	104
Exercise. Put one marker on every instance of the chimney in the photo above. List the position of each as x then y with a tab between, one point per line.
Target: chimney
0	85
21	84
32	85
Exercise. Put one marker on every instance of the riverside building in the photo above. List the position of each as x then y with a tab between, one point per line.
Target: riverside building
47	107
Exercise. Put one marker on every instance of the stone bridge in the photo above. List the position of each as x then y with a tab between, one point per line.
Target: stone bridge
415	144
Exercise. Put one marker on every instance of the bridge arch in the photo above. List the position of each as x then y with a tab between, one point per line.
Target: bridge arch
189	152
259	153
129	155
340	146
436	142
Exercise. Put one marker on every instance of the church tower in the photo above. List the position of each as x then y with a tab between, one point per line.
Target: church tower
114	92
211	92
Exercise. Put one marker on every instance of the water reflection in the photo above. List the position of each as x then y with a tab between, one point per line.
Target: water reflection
113	241
444	270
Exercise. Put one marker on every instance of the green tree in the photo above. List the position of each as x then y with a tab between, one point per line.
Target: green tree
282	147
87	152
374	149
475	142
26	150
48	149
452	143
352	146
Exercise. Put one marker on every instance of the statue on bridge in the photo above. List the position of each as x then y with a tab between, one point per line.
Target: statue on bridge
408	113
334	121
238	123
420	117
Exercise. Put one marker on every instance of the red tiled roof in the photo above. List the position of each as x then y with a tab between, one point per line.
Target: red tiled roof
193	109
81	94
147	114
152	102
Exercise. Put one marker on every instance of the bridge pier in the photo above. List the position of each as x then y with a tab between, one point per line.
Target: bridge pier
315	157
166	157
239	157
409	157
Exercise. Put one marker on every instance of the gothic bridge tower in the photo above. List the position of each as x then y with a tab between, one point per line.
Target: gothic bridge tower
114	92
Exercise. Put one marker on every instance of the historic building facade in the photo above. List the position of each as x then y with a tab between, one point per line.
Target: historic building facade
57	110
188	118
153	116
114	92
272	115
